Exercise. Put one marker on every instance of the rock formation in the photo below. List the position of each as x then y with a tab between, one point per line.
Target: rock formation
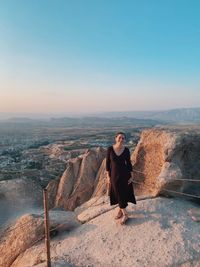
164	158
19	237
18	195
100	186
77	183
158	233
27	231
161	232
161	161
52	188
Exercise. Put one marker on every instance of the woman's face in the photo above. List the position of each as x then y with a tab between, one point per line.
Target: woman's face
120	139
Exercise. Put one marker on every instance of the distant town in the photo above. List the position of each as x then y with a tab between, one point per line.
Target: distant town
40	150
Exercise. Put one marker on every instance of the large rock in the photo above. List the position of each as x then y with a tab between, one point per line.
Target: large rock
163	158
67	182
19	237
158	233
18	195
52	188
54	264
77	183
29	230
100	186
93	208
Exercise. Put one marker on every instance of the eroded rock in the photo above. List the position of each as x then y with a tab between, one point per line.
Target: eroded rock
77	183
163	159
28	231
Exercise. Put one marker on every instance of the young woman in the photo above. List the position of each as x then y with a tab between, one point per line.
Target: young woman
120	176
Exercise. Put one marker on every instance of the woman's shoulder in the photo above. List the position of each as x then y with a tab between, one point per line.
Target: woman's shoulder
109	148
108	151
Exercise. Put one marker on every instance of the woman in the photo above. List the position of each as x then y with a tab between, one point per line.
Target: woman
120	176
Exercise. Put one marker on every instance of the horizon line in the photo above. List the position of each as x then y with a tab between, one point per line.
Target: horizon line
45	115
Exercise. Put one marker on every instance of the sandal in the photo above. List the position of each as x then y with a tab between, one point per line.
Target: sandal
124	218
119	215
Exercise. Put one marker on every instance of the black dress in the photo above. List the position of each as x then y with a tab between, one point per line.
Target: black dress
119	168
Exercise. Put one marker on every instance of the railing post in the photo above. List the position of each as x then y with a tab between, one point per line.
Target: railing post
46	226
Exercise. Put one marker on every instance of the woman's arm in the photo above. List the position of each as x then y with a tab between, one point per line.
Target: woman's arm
128	161
129	166
108	167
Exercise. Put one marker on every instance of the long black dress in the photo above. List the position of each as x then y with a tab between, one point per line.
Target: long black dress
119	168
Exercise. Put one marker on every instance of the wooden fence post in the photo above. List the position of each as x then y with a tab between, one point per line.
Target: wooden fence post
46	226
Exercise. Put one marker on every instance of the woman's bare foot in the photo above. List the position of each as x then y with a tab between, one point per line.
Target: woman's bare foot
124	218
119	215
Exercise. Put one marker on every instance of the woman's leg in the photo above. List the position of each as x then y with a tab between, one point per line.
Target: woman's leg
124	211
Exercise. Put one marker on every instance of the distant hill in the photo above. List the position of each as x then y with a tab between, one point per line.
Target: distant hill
102	121
179	115
149	118
182	115
82	122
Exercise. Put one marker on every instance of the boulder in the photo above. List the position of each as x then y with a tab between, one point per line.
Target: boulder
93	208
77	183
163	159
18	195
100	186
28	231
67	182
52	188
17	238
159	232
54	264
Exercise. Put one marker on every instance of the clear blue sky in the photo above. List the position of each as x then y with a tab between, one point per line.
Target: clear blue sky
99	55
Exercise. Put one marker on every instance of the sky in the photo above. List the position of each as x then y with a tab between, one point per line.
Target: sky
87	56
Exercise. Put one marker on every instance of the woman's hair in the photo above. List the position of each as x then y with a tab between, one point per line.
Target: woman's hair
118	133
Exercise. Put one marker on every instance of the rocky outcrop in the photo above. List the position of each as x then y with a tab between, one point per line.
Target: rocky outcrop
52	188
164	158
158	233
93	208
77	183
27	231
18	195
165	232
21	191
54	264
19	237
67	182
100	186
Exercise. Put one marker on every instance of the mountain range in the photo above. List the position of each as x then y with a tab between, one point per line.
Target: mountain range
180	115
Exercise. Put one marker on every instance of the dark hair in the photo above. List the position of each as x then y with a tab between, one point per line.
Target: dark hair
118	133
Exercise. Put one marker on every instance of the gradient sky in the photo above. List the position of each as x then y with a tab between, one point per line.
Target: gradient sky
74	56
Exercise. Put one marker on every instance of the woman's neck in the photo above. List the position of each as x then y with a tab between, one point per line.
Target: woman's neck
118	145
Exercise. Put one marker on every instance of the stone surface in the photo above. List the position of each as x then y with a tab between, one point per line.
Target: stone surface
158	233
52	188
77	183
100	186
17	196
163	156
28	230
17	238
54	264
67	182
93	208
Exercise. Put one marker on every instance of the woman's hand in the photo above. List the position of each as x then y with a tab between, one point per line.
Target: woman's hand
108	179
131	179
108	184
